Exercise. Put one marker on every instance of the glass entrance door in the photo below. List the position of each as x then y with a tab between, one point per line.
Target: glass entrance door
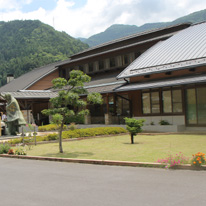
196	106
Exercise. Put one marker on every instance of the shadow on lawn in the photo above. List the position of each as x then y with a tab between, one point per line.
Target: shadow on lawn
68	154
134	143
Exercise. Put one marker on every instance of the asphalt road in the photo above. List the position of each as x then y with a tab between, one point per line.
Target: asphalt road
44	183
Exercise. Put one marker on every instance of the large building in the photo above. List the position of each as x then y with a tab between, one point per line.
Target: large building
157	75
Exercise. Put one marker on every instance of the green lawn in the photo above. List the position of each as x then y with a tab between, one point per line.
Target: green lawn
147	148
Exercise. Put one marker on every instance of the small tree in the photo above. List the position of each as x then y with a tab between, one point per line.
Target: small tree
68	102
134	126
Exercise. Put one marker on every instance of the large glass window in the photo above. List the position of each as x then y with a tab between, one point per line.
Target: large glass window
146	103
177	101
201	106
172	101
155	102
122	105
167	101
150	101
196	106
191	106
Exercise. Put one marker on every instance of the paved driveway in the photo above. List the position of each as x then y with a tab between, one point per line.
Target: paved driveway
31	182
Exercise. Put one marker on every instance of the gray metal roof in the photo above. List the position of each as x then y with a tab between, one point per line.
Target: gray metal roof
103	78
32	94
26	80
163	83
185	49
105	88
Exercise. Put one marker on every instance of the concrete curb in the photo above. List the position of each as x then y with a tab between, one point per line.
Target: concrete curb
105	162
88	161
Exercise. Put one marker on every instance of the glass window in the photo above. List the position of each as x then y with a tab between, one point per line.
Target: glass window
201	105
101	65
172	101
112	62
123	107
177	101
167	103
191	106
146	103
126	59
155	102
111	104
90	67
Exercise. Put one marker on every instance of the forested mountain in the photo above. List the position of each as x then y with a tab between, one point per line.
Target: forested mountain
119	30
25	45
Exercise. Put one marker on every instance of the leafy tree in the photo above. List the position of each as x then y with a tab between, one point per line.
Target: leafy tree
30	44
68	102
134	126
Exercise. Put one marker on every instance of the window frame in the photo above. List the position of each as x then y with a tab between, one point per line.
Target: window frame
161	104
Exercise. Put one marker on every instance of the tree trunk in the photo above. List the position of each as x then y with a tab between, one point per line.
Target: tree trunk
60	137
132	139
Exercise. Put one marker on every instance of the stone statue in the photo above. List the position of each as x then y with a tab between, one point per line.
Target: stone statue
15	117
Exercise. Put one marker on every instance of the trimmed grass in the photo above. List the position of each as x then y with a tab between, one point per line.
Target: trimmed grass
147	148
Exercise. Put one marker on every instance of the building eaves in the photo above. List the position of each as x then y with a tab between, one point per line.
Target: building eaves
163	83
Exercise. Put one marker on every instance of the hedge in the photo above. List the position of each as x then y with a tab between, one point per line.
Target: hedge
88	132
49	127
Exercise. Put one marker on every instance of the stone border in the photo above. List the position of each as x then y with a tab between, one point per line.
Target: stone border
88	161
105	162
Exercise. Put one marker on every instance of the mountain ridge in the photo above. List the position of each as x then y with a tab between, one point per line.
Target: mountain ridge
116	31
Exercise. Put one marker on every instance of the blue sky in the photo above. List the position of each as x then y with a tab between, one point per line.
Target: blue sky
48	5
83	18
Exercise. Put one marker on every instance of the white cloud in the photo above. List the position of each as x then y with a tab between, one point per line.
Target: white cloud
95	16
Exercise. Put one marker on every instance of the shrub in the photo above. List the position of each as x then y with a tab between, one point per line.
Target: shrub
49	127
198	159
70	134
88	132
164	122
53	136
134	126
4	148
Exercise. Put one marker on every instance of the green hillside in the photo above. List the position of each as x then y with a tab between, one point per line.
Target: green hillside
25	45
119	30
195	17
